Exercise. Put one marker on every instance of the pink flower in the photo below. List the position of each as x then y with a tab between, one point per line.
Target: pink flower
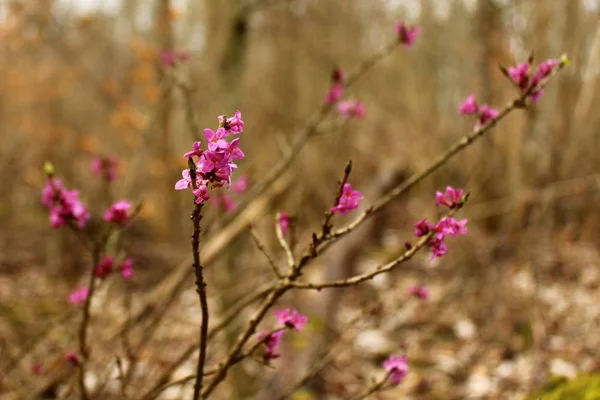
291	318
520	75
78	296
167	58
272	343
183	55
227	203
543	71
105	167
335	92
397	367
186	181
215	139
420	292
104	268
72	358
407	35
126	268
438	248
234	151
451	198
448	226
469	106
240	185
63	205
233	124
118	212
196	151
348	201
38	368
486	114
351	108
201	194
422	228
284	222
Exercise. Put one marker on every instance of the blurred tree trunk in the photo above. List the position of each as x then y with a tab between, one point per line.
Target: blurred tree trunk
489	30
164	34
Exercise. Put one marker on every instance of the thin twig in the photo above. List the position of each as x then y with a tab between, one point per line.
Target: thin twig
285	246
200	283
377	386
264	250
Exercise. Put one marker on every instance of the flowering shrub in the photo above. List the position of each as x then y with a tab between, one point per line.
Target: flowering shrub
210	167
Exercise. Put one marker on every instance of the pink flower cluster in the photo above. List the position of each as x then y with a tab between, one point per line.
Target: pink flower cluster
289	318
446	226
118	212
420	292
64	205
397	367
214	165
105	167
169	58
348	200
484	112
107	264
522	76
347	108
407	35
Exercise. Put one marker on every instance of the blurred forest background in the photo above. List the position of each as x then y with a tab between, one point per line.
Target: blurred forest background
514	302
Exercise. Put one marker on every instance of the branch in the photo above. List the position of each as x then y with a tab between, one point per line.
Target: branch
285	246
263	250
373	388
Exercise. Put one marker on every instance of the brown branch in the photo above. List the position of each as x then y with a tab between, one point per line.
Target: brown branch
263	250
200	283
377	386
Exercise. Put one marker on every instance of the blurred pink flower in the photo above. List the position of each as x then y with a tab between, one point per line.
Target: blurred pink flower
351	108
272	343
291	318
520	75
104	267
78	296
105	167
486	114
72	358
240	185
397	367
422	228
169	58
420	292
63	205
348	201
284	222
335	92
469	106
118	212
407	35
126	268
38	368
